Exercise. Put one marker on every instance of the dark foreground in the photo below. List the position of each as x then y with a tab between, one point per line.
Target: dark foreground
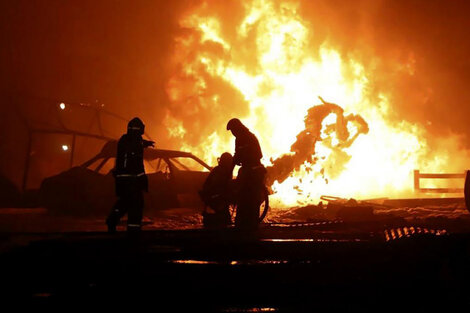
306	267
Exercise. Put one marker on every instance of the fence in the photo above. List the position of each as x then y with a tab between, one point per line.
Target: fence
418	176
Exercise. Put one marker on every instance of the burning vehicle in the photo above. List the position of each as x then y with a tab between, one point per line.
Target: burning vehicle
175	177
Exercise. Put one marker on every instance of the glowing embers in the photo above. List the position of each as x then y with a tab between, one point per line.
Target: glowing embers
304	224
407	232
310	240
230	263
194	262
250	310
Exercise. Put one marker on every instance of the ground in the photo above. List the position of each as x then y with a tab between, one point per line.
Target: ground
301	260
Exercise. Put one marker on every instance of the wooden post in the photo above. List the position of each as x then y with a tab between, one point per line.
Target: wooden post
416	179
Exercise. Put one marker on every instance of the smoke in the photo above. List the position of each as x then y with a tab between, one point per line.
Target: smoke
417	51
200	103
303	149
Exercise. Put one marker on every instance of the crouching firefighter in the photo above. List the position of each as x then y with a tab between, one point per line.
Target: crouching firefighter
251	177
216	193
130	178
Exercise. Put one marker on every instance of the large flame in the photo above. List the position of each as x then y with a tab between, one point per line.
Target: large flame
268	60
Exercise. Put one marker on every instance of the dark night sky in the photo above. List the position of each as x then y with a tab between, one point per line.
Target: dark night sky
117	52
86	50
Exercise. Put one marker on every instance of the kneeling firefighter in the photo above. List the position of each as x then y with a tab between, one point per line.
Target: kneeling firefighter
251	176
130	178
216	193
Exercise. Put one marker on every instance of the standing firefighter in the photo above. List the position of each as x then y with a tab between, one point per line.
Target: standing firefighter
216	193
251	176
130	177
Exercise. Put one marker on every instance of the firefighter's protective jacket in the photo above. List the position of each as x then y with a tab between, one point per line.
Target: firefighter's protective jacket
129	169
217	185
247	150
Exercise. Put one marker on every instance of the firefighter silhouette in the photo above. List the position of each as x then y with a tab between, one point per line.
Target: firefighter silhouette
250	182
216	193
130	178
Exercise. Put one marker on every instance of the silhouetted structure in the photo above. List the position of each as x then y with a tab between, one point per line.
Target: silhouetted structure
130	177
251	176
77	121
217	193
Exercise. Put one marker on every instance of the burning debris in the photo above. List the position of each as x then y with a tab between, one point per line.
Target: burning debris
303	149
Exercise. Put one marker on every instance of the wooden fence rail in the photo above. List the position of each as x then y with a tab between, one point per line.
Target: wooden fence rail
418	176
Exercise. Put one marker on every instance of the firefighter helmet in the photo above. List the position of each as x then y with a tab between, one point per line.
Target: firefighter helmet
136	126
226	159
234	123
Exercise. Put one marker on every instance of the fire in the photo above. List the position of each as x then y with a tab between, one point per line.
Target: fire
268	62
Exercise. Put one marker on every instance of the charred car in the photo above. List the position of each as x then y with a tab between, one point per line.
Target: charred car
175	177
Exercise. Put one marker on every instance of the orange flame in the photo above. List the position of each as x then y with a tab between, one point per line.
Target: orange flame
269	62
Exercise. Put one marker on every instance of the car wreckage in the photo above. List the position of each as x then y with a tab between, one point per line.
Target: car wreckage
175	177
